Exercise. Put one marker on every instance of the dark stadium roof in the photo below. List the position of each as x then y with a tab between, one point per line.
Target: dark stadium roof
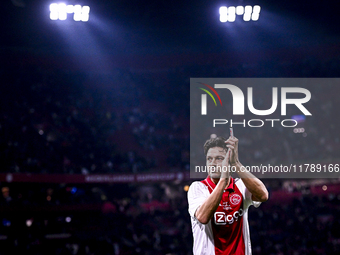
131	26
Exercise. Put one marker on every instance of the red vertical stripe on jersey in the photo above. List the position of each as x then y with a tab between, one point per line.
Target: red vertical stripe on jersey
227	223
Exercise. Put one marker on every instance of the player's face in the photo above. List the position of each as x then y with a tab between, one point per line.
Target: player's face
214	159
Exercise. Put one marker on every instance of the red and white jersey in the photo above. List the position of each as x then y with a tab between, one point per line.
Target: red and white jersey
227	232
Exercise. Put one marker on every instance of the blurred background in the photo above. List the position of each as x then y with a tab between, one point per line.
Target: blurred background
94	121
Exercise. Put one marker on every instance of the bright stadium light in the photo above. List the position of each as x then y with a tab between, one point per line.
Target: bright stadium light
69	8
231	14
239	10
60	11
223	14
256	13
77	13
54	11
85	13
247	13
228	14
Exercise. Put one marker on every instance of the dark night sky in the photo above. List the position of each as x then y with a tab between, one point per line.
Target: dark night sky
169	26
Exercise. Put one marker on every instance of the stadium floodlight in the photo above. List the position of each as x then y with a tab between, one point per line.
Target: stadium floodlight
231	14
228	14
60	11
247	13
77	13
85	13
69	8
239	10
54	11
223	14
256	13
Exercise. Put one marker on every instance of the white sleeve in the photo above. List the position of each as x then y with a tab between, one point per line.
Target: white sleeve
246	194
197	194
249	198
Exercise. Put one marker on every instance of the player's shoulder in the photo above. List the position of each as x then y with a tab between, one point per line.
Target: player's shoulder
197	186
237	180
239	183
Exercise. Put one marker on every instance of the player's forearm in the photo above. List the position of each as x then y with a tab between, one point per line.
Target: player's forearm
253	184
206	211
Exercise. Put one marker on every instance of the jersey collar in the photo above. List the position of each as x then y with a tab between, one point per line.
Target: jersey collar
213	185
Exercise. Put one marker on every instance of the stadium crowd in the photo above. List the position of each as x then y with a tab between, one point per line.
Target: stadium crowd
153	219
126	121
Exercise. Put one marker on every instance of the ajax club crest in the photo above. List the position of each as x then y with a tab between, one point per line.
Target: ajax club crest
235	199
